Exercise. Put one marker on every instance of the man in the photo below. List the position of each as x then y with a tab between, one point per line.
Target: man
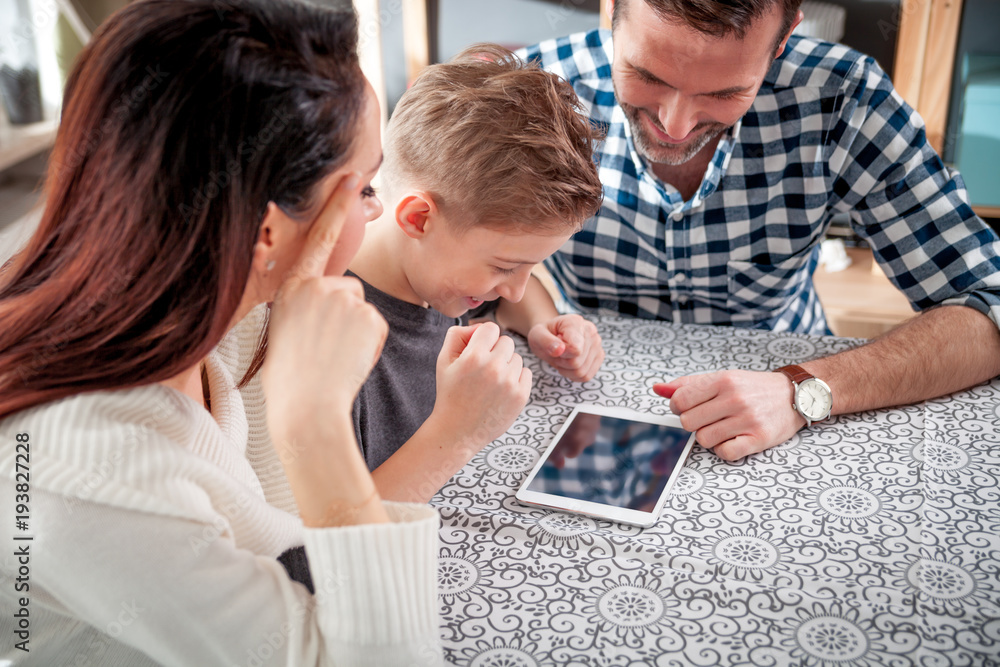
730	145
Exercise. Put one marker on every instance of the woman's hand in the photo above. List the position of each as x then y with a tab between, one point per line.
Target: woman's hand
323	341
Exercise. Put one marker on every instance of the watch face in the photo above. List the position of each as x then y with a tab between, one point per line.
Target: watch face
814	399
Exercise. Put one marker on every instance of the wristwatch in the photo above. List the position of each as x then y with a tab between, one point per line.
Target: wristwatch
811	397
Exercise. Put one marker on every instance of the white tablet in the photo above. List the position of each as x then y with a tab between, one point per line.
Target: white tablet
610	463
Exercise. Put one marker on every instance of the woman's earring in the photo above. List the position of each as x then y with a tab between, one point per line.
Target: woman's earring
270	265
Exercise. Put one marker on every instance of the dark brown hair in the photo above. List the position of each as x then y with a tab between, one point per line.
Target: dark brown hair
182	119
497	142
718	18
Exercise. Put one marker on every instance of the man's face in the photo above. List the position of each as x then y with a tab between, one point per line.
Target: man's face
680	88
454	272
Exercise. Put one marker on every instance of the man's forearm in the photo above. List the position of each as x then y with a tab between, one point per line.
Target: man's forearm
534	307
941	351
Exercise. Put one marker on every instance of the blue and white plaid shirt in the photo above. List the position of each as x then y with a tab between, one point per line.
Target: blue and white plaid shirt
826	134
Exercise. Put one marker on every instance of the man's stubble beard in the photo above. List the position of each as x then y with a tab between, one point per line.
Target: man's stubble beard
660	153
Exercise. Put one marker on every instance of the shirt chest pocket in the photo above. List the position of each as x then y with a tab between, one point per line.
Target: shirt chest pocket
759	292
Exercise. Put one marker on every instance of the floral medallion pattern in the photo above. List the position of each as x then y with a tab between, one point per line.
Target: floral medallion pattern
868	540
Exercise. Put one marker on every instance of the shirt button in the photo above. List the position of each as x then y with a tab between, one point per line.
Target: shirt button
676	215
682	298
680	277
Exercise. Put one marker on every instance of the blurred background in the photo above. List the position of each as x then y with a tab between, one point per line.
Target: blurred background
943	56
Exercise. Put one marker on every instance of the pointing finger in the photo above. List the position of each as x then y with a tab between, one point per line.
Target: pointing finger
325	230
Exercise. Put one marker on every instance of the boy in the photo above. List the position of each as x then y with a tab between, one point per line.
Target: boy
488	170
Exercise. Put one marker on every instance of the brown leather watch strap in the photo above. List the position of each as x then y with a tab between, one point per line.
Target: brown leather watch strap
796	374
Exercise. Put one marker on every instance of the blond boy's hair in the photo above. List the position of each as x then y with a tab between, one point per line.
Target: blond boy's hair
496	142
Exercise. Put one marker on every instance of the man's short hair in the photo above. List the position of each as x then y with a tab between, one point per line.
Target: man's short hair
496	142
718	18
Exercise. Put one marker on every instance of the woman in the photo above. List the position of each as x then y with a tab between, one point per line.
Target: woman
212	157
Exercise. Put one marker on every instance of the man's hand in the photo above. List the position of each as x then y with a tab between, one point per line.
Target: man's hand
570	344
734	413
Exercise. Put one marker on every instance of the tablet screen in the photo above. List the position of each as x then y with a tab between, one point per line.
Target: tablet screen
612	461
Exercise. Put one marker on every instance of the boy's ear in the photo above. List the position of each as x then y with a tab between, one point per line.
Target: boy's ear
414	214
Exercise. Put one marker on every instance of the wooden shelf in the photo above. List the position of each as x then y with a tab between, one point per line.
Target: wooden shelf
987	211
925	56
859	301
19	142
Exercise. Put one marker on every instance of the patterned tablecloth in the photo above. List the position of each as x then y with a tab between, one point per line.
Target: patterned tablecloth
871	539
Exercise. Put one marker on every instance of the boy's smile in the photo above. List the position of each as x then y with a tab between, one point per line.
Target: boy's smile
416	255
454	273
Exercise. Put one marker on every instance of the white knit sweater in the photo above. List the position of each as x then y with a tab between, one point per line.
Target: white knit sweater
236	352
153	543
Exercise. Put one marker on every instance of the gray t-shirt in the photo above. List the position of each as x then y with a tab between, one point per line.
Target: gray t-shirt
399	394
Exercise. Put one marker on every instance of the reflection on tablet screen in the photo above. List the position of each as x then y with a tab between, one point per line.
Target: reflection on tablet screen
612	461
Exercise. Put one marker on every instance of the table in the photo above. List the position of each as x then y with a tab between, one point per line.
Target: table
869	539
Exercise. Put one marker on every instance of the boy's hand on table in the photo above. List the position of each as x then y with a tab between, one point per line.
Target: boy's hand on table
482	384
570	344
734	413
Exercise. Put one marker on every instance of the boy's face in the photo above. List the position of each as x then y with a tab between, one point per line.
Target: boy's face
454	273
